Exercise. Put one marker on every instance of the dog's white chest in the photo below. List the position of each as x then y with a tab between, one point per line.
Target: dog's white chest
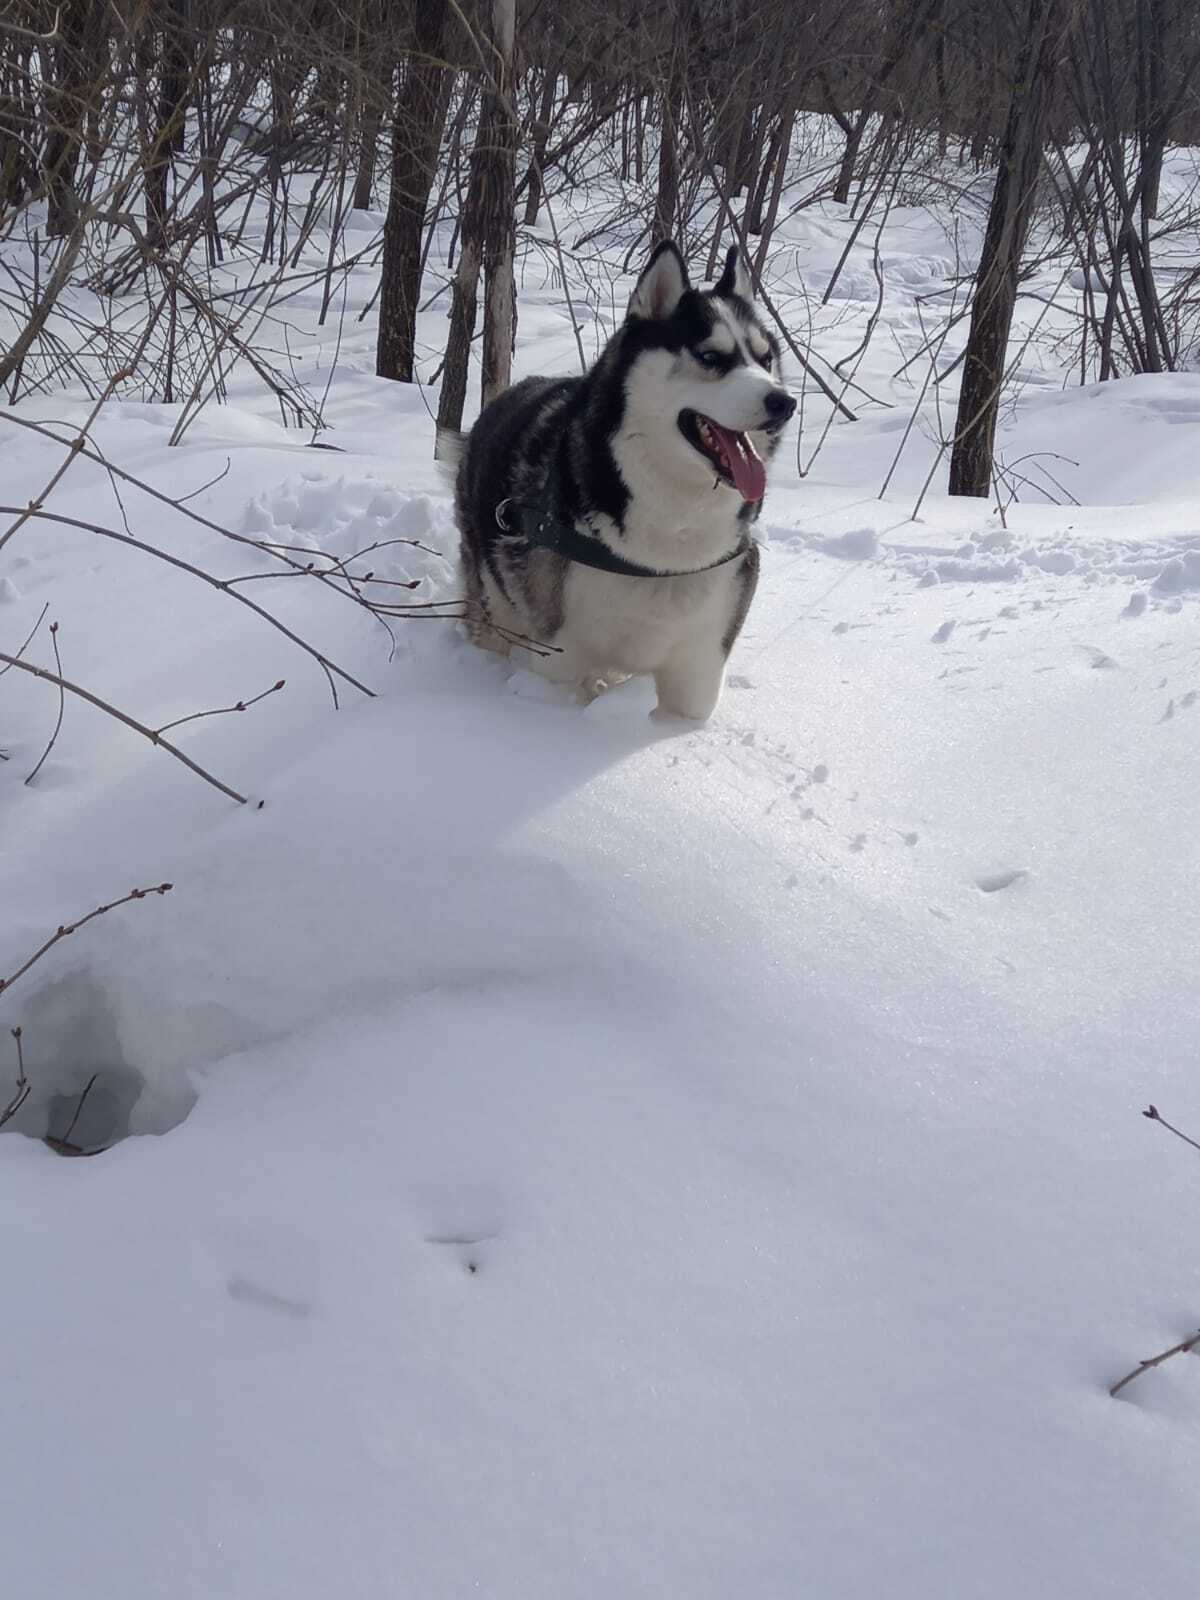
635	624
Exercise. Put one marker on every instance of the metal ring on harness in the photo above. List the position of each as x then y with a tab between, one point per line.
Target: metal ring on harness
501	514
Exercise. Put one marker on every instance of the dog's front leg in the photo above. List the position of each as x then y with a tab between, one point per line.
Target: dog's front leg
689	683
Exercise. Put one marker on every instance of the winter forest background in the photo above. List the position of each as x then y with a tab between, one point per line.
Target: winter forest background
499	1148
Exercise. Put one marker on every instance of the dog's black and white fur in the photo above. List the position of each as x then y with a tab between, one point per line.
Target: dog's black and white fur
658	453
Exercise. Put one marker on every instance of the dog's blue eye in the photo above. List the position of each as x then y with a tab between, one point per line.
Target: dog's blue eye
708	358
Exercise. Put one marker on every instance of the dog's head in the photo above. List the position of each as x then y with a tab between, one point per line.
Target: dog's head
703	377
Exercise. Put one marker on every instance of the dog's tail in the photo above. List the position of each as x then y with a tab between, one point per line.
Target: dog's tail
448	451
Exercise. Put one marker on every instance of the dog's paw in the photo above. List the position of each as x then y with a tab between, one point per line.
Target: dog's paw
669	715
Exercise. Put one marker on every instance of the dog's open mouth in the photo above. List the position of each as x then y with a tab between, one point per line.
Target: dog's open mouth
731	454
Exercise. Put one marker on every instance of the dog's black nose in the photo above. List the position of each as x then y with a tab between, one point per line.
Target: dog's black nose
779	405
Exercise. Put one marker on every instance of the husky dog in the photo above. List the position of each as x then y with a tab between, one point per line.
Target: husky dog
609	516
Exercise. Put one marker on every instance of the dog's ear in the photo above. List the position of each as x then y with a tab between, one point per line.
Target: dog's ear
662	285
735	280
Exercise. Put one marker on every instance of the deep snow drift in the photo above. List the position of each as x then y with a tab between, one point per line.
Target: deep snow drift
613	1162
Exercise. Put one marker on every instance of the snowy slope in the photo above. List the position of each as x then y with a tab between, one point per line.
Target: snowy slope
613	1162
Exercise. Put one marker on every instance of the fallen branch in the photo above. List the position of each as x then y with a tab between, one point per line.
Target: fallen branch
63	1146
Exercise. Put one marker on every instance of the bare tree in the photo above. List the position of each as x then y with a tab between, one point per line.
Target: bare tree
487	230
1044	25
416	137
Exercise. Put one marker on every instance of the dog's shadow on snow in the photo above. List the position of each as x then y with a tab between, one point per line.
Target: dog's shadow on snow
506	745
436	838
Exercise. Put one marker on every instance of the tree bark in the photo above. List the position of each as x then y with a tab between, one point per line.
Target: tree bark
541	137
666	199
416	136
166	134
79	69
487	235
17	174
1043	25
499	225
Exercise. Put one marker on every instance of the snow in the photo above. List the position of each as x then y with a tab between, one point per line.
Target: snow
599	1159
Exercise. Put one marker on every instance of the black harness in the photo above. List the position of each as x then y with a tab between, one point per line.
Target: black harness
540	525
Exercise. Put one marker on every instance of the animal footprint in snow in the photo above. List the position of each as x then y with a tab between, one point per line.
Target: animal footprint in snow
1100	660
255	1294
943	633
990	882
466	1245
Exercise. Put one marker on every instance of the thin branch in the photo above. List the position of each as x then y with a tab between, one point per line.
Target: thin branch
29	635
76	446
130	722
224	584
53	37
62	701
23	1089
1151	1112
66	1138
220	711
1156	1361
68	928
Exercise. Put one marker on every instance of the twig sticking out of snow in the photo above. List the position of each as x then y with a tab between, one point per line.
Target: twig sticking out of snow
1156	1361
63	1145
62	701
122	716
76	446
68	928
316	564
1151	1112
23	1088
29	635
225	585
220	711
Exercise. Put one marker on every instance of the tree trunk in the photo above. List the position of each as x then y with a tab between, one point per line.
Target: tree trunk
167	131
1043	25
854	137
487	235
416	136
369	126
767	225
16	127
541	136
499	227
910	31
78	71
666	200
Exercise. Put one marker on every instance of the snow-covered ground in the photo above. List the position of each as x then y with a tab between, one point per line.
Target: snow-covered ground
597	1161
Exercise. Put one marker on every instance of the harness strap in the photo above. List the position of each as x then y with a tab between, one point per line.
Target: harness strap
539	526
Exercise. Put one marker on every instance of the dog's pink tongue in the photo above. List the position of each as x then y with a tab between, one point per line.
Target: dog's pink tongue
745	463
